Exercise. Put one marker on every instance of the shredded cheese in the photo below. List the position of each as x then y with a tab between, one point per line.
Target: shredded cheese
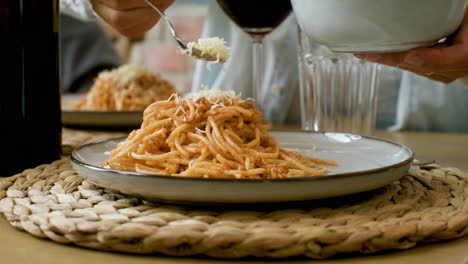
214	96
215	47
127	73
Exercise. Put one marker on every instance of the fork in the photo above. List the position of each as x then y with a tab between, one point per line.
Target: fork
197	53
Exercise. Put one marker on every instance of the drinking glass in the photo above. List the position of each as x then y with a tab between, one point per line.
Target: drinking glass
338	91
257	18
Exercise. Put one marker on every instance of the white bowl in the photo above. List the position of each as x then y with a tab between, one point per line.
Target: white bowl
378	25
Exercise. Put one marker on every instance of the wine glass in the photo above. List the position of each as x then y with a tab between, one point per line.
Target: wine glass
257	18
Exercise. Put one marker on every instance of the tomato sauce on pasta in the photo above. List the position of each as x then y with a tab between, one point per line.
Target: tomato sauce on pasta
209	135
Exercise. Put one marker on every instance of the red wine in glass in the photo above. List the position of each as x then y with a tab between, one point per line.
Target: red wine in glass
257	18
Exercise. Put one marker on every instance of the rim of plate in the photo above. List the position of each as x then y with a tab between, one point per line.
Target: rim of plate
303	178
103	112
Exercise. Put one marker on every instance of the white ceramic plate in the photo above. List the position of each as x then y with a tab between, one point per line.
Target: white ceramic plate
117	119
365	163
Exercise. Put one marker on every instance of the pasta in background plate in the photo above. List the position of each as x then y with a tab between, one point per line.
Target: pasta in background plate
126	88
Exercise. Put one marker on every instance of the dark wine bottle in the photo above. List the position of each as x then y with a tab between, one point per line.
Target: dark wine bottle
30	94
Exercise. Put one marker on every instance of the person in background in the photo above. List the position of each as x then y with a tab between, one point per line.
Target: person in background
408	101
431	98
86	50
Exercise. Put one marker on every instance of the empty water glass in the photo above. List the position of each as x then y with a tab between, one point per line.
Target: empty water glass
338	91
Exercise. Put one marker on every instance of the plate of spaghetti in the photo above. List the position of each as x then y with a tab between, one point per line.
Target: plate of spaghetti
214	147
117	98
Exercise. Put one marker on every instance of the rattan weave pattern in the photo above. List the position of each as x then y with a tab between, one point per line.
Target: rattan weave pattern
53	202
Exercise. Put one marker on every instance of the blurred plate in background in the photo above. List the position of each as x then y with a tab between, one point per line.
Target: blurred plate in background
98	119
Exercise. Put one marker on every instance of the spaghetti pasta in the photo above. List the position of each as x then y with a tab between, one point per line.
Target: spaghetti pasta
209	135
128	87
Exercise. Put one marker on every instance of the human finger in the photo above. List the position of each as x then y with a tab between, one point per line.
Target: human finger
132	4
425	60
430	75
121	4
131	18
136	30
439	59
396	60
390	59
131	23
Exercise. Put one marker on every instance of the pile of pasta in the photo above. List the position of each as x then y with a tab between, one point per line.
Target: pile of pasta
129	87
209	135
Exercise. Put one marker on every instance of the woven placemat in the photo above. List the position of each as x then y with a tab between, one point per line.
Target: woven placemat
53	202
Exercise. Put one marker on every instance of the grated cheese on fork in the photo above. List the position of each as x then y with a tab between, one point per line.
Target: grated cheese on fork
215	47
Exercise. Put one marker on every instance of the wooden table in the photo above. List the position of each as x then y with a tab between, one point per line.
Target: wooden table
447	149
